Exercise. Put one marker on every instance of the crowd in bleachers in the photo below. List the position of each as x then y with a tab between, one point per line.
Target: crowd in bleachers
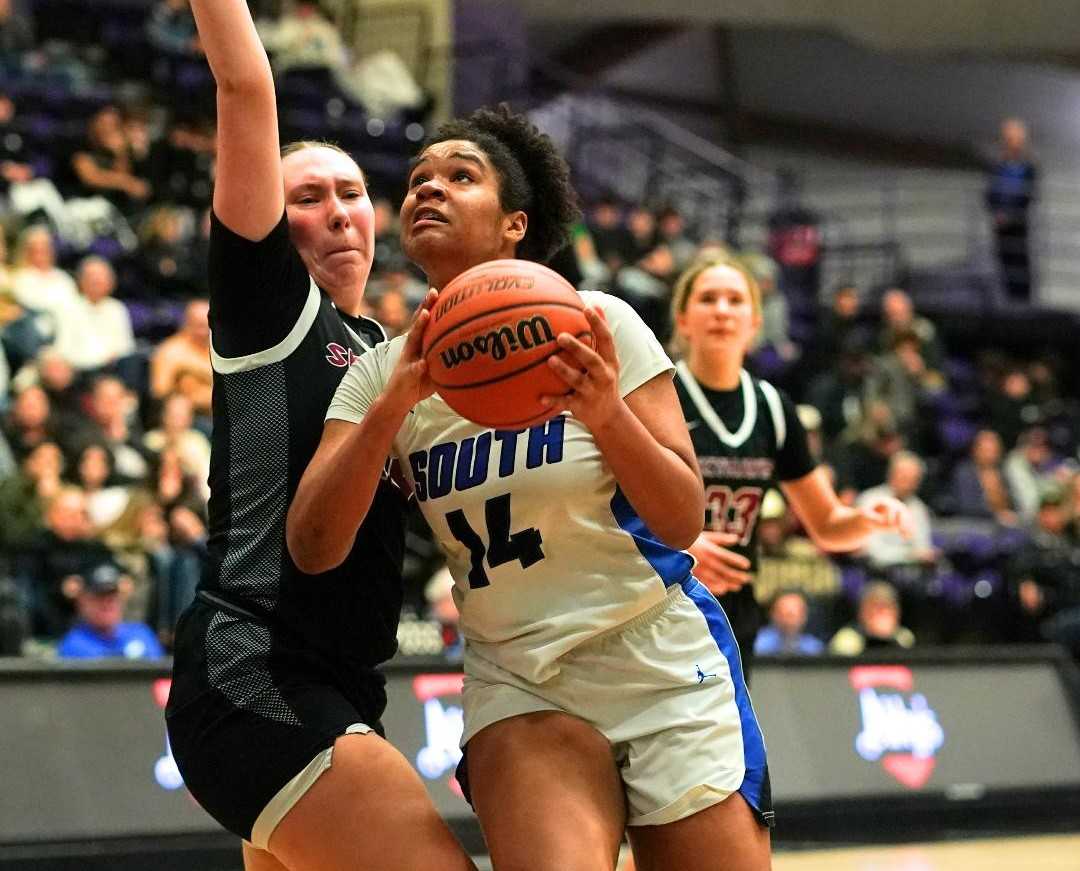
106	166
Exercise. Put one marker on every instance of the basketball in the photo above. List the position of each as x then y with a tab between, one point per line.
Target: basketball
490	335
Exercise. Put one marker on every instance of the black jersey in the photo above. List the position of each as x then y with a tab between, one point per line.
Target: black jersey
280	347
746	440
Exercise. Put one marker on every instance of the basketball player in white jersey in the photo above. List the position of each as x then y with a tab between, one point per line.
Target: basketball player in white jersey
603	687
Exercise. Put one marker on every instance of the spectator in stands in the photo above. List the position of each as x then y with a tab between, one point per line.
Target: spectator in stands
173	485
877	623
177	433
979	486
641	226
397	277
1030	470
889	550
862	458
170	28
904	381
30	422
100	631
387	238
392	312
788	559
164	255
1045	578
838	392
646	285
671	233
106	499
58	378
795	238
898	319
181	162
114	423
836	326
38	284
1009	196
773	349
19	165
67	547
16	36
610	236
784	635
175	570
181	363
106	166
1012	406
24	495
304	38
101	335
440	606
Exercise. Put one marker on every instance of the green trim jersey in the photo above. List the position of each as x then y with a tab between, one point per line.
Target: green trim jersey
545	551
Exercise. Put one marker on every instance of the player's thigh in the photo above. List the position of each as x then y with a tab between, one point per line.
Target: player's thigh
259	860
723	837
548	794
369	810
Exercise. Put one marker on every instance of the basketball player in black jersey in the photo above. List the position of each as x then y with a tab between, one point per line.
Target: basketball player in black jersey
748	438
275	705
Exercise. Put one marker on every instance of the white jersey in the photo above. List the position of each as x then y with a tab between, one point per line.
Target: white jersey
545	550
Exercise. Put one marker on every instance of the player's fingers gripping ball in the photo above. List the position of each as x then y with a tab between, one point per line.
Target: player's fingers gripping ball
489	338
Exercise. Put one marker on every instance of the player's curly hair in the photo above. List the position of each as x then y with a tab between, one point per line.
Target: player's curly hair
533	176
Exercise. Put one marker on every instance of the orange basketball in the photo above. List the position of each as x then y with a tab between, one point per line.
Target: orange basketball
490	335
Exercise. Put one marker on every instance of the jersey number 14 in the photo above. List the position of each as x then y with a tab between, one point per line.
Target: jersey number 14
503	545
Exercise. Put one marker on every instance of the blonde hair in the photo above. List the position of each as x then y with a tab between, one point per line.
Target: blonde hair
684	286
305	144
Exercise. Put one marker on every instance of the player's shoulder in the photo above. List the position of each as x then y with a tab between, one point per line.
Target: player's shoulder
385	354
608	304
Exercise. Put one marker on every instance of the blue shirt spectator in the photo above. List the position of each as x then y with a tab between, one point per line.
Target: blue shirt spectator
129	640
100	630
784	635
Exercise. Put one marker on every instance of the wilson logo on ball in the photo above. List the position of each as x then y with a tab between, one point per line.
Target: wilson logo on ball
490	336
498	344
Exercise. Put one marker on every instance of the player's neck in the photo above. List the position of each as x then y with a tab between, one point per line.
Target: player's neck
717	372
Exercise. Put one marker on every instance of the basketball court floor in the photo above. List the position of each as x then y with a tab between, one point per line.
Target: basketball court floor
1034	853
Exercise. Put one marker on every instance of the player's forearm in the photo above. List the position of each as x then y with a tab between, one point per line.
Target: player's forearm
842	529
662	488
233	49
337	489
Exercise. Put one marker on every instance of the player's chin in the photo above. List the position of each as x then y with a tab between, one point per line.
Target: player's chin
426	246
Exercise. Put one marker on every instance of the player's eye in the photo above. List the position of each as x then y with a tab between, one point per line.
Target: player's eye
462	174
417	180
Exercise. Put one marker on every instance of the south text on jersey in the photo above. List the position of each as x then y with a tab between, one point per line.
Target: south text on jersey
456	466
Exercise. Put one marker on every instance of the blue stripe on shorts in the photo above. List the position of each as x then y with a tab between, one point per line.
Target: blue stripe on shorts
753	742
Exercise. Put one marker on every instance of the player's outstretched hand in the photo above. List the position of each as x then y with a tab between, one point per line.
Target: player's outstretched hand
592	374
410	381
719	569
889	515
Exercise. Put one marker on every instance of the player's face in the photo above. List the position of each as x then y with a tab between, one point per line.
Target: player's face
719	313
452	218
330	218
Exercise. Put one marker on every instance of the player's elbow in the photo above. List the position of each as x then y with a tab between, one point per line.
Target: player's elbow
309	548
682	526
